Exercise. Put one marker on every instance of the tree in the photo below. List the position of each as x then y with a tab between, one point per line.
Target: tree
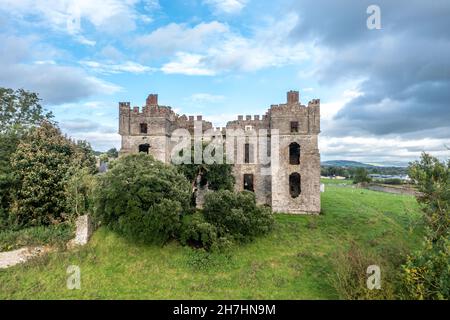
142	198
41	164
218	176
433	181
20	110
112	153
361	176
427	271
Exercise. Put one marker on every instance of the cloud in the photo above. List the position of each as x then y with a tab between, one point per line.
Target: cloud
226	6
205	98
175	37
404	67
72	16
230	51
79	125
111	68
188	64
55	83
380	149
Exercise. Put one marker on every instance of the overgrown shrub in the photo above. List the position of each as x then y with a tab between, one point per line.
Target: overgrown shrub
427	271
350	275
393	181
57	234
198	233
237	215
426	274
142	198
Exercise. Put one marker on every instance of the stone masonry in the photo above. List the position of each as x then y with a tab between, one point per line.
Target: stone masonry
291	186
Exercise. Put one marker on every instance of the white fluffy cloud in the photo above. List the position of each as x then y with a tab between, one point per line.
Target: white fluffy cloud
21	67
175	37
199	54
110	68
226	6
188	64
69	16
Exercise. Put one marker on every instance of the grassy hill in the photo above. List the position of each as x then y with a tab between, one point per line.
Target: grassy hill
346	164
296	261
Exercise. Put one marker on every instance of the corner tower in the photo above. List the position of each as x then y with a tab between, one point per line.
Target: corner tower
296	174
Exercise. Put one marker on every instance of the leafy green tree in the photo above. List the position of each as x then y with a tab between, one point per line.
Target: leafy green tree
218	176
84	156
427	271
19	111
433	181
112	153
142	198
79	190
361	176
41	164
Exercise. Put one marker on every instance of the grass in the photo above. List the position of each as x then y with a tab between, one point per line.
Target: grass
56	235
294	262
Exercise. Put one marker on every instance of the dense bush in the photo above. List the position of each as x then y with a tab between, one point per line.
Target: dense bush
198	233
237	215
427	271
57	234
142	198
350	278
393	181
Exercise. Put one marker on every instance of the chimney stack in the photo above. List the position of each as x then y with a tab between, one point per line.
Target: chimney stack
152	100
292	97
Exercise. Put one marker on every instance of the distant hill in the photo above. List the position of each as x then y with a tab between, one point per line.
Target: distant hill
346	163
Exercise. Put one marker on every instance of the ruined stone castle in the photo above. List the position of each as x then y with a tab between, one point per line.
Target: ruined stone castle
290	184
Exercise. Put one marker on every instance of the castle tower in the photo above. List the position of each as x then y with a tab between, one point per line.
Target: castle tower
145	130
296	174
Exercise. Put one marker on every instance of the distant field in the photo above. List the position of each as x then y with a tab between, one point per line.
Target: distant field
293	262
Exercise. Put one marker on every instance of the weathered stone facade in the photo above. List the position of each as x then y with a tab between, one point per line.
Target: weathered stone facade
289	182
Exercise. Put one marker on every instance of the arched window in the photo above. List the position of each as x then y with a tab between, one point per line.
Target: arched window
294	153
144	148
295	184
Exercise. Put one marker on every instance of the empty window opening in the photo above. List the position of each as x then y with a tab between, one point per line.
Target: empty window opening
144	148
248	182
295	184
294	153
143	127
294	126
247	153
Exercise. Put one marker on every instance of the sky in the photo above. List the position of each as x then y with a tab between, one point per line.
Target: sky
385	92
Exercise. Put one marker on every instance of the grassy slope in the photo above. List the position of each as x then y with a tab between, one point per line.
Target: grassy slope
294	262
